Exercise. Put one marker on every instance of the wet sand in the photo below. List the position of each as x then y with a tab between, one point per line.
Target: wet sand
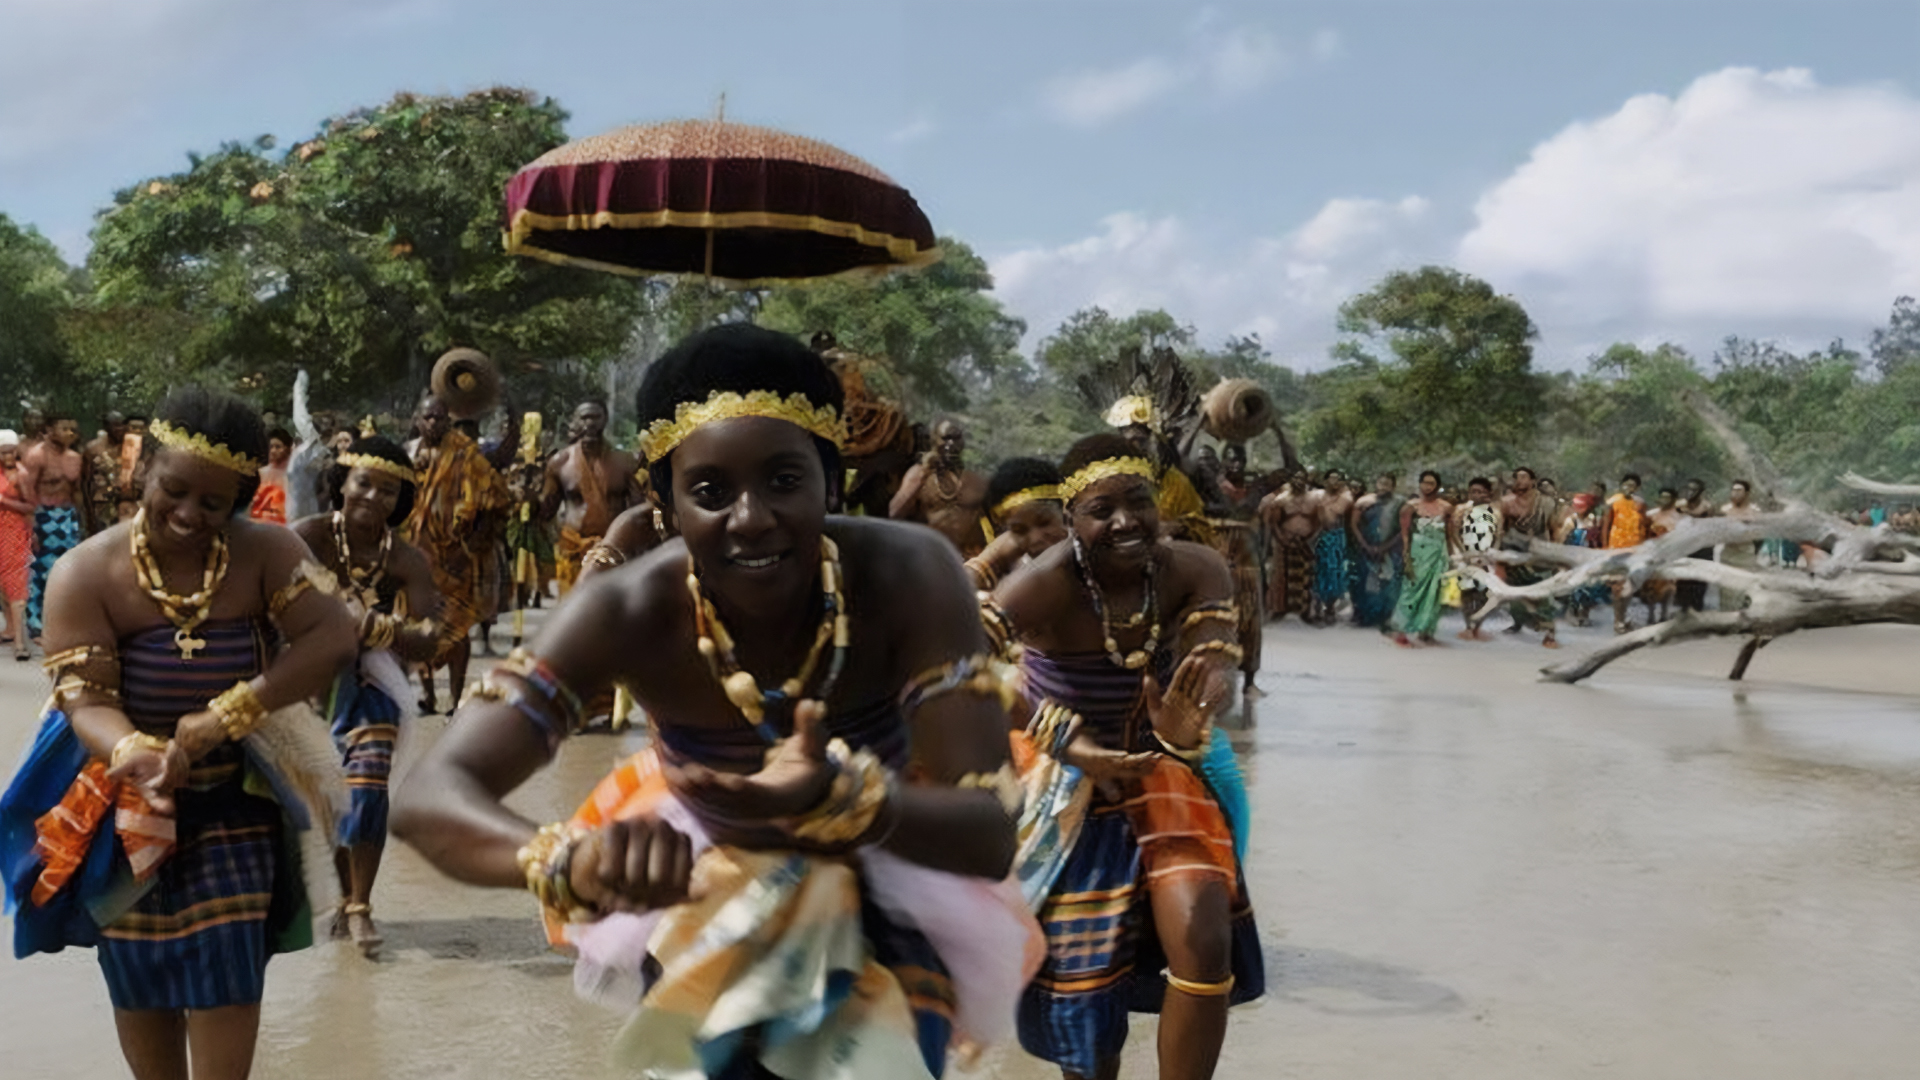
1459	872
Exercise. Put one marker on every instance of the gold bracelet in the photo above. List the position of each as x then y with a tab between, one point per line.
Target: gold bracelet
861	789
1004	785
547	862
132	743
239	710
1191	757
378	630
1225	648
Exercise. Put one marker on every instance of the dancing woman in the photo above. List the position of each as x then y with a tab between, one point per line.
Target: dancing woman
388	587
1152	883
823	719
1023	503
166	852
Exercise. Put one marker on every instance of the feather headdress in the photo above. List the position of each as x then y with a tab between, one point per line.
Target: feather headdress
1154	388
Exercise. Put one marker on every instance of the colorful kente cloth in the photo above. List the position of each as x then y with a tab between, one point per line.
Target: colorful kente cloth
196	932
531	542
365	720
1104	958
793	965
1234	541
16	542
458	490
1330	564
1376	582
57	530
1292	576
1419	608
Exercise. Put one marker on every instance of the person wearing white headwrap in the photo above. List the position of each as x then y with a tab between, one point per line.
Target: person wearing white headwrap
16	543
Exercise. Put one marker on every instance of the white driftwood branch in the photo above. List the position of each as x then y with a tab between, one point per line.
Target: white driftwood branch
1876	487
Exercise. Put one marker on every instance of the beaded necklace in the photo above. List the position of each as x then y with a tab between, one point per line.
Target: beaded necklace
1149	612
742	689
939	489
186	613
365	583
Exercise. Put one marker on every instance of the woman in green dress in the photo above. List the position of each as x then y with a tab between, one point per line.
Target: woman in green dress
1423	527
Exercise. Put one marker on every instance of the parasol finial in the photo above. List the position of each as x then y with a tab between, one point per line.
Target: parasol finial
720	109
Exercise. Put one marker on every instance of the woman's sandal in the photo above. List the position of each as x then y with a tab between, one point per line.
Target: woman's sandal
360	927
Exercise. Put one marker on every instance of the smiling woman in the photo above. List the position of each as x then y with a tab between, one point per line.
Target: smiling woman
166	852
1129	638
829	745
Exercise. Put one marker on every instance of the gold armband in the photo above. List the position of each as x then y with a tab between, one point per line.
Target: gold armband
975	675
1200	989
132	743
1226	613
239	710
72	687
307	577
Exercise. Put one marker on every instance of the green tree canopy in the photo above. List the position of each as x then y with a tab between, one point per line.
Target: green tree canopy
1450	364
360	254
940	328
37	288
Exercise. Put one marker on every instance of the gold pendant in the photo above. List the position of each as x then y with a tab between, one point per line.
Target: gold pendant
188	644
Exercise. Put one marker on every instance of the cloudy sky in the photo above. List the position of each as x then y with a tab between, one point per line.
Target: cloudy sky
1642	171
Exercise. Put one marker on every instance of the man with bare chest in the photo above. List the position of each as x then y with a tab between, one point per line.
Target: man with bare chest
942	493
1291	518
1528	513
587	485
51	481
1331	557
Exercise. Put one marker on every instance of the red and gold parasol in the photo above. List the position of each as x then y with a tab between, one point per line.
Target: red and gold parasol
739	204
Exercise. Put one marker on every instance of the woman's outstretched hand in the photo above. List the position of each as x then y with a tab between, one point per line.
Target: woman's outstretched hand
796	777
1198	690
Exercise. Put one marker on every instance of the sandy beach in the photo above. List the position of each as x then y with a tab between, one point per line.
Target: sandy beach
1459	871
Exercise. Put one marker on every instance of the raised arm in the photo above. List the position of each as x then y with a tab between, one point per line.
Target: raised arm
905	505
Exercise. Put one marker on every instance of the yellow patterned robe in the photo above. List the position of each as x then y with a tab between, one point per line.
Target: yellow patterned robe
456	490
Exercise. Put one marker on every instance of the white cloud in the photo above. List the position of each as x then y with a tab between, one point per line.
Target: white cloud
1091	98
1233	62
1243	60
1756	203
1284	288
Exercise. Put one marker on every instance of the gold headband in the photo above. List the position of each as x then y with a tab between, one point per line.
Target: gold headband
377	464
1133	409
199	446
1089	475
1042	493
663	435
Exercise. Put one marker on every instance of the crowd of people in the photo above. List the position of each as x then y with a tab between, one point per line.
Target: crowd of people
977	740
